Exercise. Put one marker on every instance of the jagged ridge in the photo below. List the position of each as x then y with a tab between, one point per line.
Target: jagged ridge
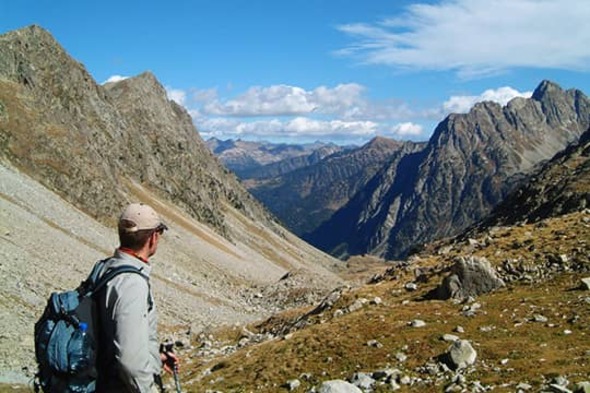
471	163
83	140
316	191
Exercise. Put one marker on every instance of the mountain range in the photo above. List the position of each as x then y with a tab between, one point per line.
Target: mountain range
526	334
305	197
469	165
387	198
264	159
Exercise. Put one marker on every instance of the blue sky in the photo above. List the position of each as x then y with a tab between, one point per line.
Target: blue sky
331	70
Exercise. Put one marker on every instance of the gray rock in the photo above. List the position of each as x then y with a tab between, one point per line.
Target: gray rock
449	337
523	386
470	276
363	381
582	387
559	389
461	355
374	344
338	386
357	305
292	384
560	380
393	385
539	318
454	388
585	285
401	357
417	323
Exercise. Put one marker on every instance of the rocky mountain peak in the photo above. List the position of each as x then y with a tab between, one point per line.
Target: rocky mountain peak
31	35
546	88
382	143
33	57
143	89
129	129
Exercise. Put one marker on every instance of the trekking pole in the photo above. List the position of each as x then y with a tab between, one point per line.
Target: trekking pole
170	348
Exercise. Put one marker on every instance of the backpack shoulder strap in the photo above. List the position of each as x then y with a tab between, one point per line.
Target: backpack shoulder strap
97	280
112	273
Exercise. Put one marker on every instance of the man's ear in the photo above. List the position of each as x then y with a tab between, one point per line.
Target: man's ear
153	238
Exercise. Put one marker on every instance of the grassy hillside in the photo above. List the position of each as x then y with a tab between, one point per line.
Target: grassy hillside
512	347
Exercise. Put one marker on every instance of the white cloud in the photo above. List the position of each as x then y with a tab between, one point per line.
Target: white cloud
300	127
204	95
340	113
284	100
115	78
462	104
407	129
478	37
176	95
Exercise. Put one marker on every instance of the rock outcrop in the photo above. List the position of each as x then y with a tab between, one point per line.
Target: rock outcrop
558	187
469	277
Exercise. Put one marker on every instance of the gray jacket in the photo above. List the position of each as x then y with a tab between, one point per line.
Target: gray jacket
128	357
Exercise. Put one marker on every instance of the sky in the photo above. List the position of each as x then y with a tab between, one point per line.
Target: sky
341	71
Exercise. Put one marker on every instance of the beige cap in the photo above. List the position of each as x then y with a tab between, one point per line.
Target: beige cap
138	217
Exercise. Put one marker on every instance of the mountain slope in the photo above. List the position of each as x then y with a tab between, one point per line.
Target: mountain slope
560	186
290	164
73	153
304	198
470	164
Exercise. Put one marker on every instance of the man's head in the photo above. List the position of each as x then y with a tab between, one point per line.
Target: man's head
140	227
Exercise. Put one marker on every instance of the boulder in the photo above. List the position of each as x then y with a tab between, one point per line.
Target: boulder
460	355
582	387
338	386
363	381
470	276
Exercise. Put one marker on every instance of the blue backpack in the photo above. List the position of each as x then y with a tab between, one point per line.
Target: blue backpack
66	335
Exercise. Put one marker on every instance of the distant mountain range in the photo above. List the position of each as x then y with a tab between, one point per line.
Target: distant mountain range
387	198
305	197
255	159
470	164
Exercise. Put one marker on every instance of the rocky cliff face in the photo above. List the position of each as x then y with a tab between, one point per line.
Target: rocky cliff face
471	163
90	142
558	187
304	198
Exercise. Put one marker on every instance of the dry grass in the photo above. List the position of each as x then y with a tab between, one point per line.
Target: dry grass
511	347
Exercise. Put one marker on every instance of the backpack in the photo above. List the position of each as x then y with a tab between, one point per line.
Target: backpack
66	335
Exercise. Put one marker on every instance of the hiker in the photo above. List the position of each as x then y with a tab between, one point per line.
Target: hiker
129	358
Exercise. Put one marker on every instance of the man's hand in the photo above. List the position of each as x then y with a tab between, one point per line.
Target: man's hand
170	361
